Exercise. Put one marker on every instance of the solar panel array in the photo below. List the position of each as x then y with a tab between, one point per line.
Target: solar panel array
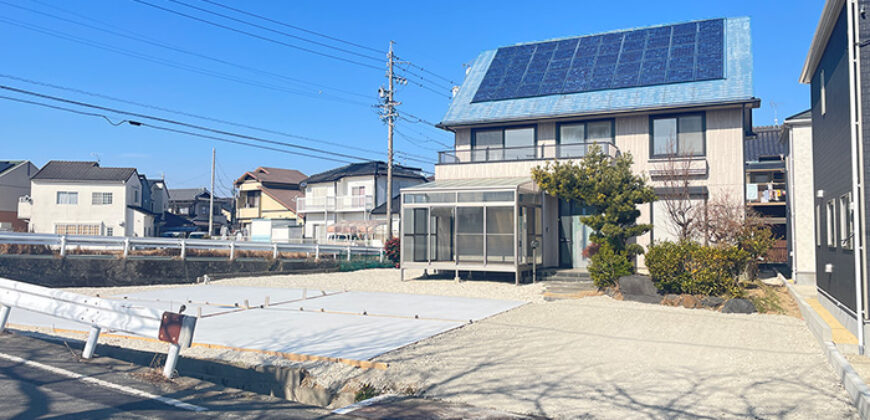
686	52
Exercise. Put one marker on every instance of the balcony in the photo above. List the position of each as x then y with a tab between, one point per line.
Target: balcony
512	154
346	203
248	213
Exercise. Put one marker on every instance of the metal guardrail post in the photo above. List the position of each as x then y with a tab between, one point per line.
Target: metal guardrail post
381	252
91	344
171	361
63	245
232	250
316	252
4	316
183	249
348	253
274	251
126	247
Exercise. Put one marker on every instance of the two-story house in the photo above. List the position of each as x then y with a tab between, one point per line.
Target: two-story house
268	193
340	201
14	184
674	92
797	138
193	204
83	198
835	69
767	190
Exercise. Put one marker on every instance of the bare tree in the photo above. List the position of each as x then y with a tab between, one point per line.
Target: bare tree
686	216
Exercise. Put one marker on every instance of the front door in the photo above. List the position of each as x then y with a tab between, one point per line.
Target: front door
573	235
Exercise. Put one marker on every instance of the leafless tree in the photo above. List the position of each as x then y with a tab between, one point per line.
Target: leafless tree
686	216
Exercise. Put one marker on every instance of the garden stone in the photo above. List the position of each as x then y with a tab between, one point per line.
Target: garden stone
671	300
738	306
638	288
772	282
712	301
689	301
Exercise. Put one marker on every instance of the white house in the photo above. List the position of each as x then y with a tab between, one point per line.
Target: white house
340	201
14	184
83	198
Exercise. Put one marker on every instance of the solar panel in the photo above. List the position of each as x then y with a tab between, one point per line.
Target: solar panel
685	52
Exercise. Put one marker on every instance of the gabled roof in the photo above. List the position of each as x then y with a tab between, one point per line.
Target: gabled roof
765	143
82	171
6	165
378	168
273	176
285	197
396	206
734	87
827	21
186	194
805	115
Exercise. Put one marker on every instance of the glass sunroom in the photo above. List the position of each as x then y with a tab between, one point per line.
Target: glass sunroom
485	225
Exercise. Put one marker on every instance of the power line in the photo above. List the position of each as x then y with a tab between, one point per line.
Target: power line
253	35
145	39
419	76
141	124
174	122
432	73
168	63
275	30
292	26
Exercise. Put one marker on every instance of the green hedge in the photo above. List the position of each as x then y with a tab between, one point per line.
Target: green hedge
688	267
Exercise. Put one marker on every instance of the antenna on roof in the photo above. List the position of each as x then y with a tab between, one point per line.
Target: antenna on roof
96	156
775	107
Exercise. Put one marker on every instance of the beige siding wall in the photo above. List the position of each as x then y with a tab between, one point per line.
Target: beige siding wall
802	198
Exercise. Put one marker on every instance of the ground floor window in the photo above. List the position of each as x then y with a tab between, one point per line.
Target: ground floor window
77	229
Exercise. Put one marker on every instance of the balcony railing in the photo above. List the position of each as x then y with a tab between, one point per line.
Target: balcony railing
341	203
508	154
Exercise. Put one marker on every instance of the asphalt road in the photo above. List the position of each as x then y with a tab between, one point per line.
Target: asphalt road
36	382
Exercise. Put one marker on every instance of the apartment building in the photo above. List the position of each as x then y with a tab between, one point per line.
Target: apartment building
83	198
268	193
673	92
340	201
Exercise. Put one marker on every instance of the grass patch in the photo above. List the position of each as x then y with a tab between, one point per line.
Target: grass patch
367	391
765	298
362	264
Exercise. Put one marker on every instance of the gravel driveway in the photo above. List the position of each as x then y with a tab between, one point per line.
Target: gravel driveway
601	358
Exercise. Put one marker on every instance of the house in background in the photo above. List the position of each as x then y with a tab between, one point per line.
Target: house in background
14	183
766	185
83	198
268	193
840	118
340	201
797	137
193	204
675	90
155	195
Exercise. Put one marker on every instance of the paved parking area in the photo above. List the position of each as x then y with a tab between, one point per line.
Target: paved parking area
336	324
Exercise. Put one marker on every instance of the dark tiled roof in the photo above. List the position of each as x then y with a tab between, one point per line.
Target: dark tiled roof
274	176
365	168
801	115
382	209
186	194
286	197
765	143
82	171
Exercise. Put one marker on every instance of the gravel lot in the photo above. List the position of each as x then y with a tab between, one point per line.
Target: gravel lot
594	357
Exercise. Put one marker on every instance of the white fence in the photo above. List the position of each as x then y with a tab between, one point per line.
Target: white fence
99	314
127	244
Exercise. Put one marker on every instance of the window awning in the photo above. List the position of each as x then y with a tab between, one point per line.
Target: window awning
473	184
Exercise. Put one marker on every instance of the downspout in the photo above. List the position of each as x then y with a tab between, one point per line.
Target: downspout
855	138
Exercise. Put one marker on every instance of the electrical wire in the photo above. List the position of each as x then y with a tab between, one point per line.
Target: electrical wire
151	41
292	26
377	59
169	63
253	35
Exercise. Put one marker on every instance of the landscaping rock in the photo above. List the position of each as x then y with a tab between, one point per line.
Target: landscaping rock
689	301
738	306
639	289
671	300
773	282
712	301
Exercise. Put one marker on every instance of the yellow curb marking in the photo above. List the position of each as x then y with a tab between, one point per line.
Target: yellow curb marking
839	333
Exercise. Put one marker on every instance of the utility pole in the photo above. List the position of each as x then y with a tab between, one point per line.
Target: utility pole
211	198
390	115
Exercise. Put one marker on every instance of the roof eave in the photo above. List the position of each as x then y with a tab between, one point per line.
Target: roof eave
753	102
823	32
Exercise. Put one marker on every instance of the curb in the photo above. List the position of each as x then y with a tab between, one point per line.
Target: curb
858	391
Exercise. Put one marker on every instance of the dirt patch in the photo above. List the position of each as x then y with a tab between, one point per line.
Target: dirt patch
772	300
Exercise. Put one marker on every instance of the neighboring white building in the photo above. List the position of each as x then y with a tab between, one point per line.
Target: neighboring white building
340	201
14	184
798	136
82	198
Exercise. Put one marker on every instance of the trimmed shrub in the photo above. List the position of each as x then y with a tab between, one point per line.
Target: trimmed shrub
687	267
666	262
606	266
392	249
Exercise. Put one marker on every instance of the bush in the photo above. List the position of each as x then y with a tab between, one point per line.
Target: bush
688	267
606	266
392	249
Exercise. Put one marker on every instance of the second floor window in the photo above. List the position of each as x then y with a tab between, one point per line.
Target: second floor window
574	136
252	199
101	198
681	135
359	196
67	197
511	144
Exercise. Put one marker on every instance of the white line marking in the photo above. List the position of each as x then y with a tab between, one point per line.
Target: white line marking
99	382
364	403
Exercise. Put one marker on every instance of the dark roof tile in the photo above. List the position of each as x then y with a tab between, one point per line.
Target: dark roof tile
82	171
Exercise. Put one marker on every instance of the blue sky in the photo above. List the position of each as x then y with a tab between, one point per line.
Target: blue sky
333	103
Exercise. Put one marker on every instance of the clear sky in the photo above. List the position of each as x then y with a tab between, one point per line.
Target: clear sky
277	87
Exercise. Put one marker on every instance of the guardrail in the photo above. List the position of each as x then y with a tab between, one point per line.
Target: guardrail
172	328
126	244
